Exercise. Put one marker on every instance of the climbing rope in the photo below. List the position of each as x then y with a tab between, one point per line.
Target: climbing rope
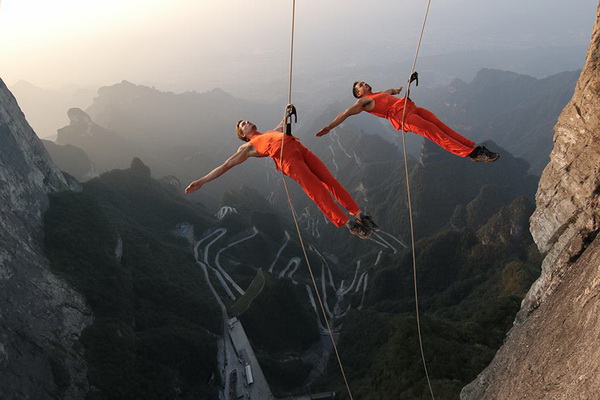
314	282
292	51
408	195
289	112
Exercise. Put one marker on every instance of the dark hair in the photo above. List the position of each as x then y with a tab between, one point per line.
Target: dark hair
354	90
239	133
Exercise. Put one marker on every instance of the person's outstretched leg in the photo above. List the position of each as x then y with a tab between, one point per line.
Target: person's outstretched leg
431	117
330	182
413	122
313	187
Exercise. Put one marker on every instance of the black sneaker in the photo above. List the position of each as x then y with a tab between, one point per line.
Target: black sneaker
481	154
366	221
359	230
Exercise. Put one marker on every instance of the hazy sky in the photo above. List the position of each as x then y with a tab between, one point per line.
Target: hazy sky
197	44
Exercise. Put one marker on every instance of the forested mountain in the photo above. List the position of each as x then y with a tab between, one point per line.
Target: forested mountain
475	259
155	324
72	160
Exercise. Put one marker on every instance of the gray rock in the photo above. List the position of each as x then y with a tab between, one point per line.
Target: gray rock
567	215
41	317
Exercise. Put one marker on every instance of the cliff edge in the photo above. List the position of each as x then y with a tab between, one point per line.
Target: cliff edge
552	351
41	317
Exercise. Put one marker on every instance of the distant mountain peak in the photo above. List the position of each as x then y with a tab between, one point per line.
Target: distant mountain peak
139	168
491	77
219	93
79	117
24	84
457	84
125	91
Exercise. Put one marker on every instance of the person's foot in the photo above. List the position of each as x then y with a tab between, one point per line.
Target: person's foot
359	230
481	154
365	220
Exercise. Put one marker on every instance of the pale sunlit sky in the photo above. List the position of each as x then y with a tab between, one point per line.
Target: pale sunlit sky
196	45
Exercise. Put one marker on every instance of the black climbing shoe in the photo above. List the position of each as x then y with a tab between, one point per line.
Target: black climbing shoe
366	221
481	154
359	230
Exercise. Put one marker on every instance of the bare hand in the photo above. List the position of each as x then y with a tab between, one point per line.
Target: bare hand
192	187
323	131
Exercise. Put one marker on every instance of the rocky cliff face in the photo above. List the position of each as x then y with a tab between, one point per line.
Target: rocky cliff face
41	317
552	351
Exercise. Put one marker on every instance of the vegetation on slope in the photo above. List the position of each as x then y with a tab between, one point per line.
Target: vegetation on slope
155	322
469	292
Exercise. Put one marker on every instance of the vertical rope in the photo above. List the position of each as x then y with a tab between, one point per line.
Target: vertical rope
410	213
292	51
291	205
314	281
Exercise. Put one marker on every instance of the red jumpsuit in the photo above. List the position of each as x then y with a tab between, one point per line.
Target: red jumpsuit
308	170
420	121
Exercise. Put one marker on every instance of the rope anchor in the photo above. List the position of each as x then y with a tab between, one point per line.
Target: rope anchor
414	77
290	111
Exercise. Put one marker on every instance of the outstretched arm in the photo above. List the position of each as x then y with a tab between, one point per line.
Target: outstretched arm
246	150
358	107
393	92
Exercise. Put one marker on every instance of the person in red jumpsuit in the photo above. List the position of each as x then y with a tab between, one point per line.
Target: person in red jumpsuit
416	119
301	165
